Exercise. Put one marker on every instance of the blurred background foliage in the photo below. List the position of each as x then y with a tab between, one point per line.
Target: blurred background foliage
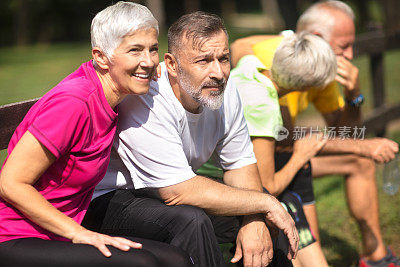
24	22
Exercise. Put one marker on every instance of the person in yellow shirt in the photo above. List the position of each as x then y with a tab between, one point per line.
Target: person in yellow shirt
355	159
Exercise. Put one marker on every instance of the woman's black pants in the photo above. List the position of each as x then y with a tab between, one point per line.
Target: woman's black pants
35	252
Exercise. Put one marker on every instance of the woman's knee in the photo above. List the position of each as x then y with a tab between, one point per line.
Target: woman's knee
175	257
144	259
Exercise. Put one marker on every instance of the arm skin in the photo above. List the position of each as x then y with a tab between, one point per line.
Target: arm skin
206	194
381	150
244	46
276	182
27	162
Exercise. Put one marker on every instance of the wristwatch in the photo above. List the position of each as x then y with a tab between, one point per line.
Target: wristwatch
357	101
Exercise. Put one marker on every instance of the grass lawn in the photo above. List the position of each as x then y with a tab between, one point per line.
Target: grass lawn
29	72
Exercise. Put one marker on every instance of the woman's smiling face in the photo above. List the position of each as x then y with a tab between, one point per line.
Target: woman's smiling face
135	61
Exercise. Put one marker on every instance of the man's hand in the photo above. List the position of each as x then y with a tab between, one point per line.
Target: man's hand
253	242
381	150
278	217
347	75
306	148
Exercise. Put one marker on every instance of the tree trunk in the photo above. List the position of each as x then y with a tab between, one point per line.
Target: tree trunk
392	23
157	8
21	22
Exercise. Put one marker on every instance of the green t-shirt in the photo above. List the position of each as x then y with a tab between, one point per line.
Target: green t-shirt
260	104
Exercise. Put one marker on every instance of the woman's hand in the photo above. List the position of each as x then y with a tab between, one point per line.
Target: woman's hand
100	241
309	146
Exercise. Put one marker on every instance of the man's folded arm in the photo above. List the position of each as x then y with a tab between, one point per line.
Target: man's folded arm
217	198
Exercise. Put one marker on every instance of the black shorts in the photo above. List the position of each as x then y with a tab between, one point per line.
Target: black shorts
302	181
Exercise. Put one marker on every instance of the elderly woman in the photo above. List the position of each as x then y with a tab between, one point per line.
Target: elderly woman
61	150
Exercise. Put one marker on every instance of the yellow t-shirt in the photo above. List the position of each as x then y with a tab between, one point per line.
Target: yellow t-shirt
325	100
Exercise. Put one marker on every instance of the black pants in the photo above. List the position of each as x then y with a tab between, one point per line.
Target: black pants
35	252
133	213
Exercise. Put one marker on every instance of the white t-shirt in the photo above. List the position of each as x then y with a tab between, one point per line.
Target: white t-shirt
162	144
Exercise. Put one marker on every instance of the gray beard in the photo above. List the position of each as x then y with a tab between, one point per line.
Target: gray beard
212	101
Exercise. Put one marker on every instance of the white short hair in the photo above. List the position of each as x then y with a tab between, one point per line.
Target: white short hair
318	17
303	61
113	23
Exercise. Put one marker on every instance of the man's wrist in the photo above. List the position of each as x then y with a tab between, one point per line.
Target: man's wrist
267	204
351	93
251	218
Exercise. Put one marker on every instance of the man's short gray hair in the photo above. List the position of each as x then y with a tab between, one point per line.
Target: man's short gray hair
198	26
302	61
319	18
112	24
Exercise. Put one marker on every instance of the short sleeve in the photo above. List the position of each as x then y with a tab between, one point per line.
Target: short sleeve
327	100
258	96
292	102
59	125
265	50
284	101
235	150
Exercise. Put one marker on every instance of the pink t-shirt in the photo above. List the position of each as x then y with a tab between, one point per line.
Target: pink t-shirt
75	122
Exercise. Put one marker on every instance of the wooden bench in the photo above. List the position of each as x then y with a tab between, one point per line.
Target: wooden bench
11	116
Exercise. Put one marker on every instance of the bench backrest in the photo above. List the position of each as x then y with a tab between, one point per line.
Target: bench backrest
11	116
